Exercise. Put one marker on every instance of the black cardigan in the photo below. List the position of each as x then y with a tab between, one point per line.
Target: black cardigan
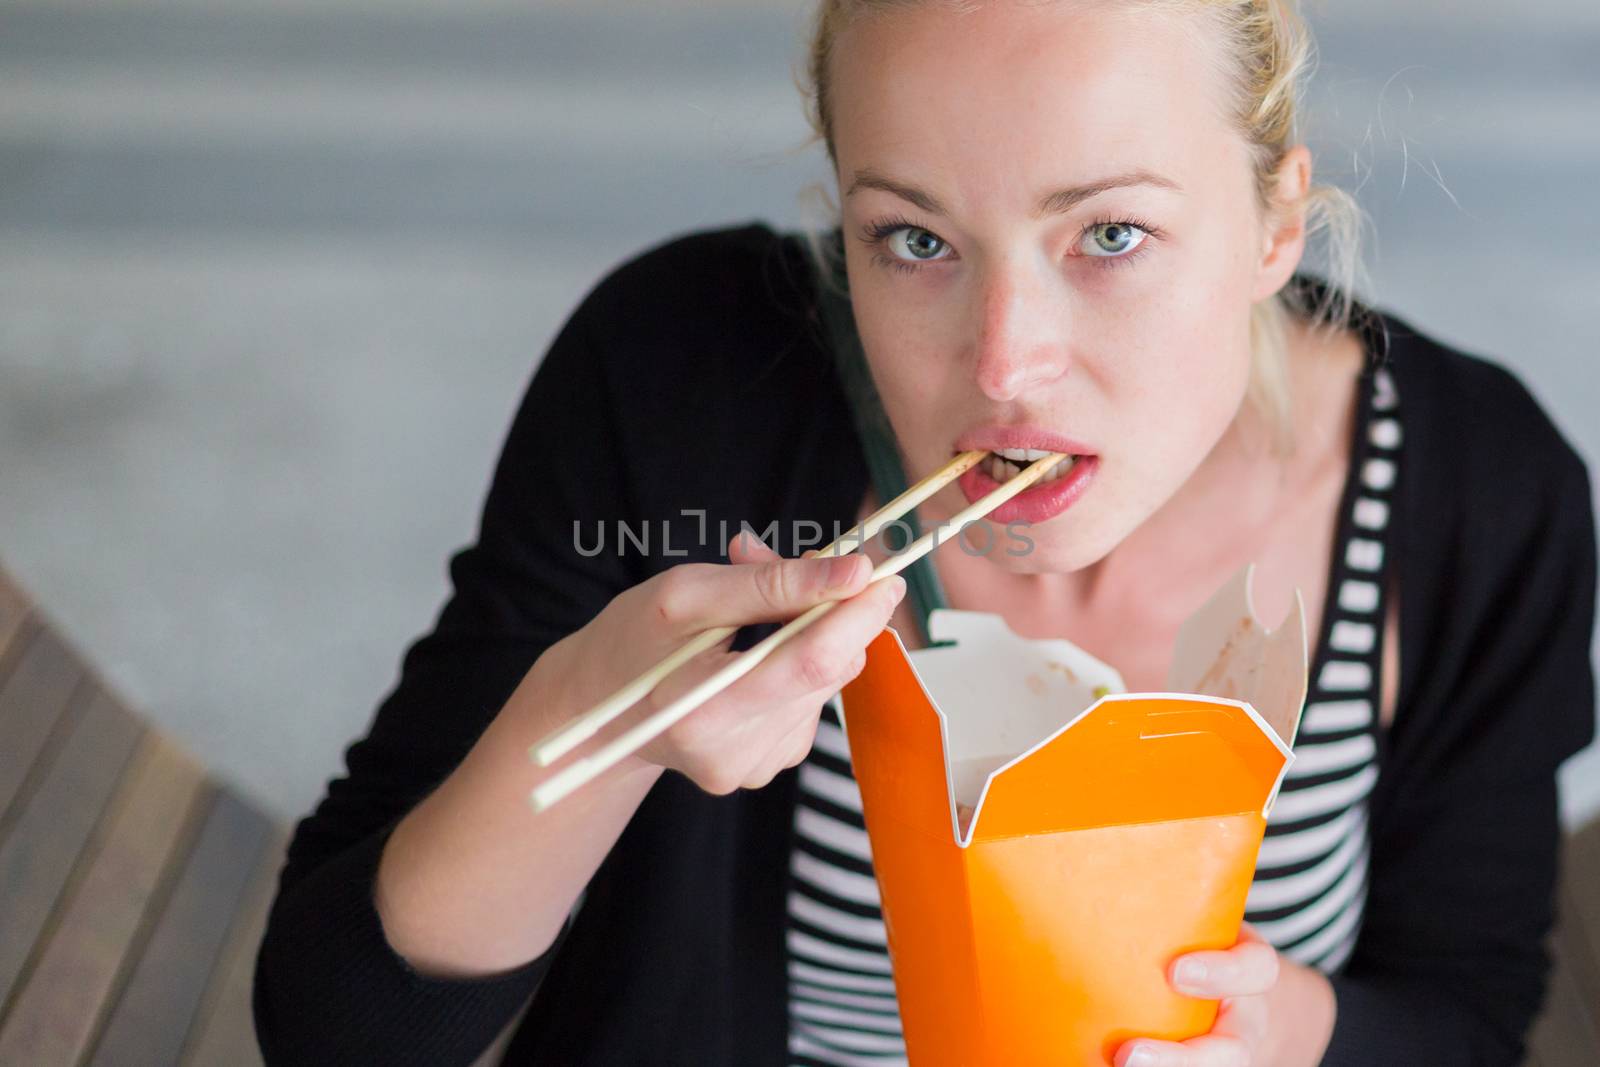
694	377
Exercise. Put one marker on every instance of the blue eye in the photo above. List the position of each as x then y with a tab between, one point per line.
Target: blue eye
1109	239
921	246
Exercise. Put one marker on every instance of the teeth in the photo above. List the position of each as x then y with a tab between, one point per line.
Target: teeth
1060	469
1008	463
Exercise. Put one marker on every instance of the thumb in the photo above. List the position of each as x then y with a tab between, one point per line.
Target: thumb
748	548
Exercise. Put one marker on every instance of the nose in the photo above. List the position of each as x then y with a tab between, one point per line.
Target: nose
1020	343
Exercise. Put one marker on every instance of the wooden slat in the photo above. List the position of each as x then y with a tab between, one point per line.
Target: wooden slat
1567	1032
1580	915
156	1009
14	643
159	1005
30	702
1562	1036
15	610
39	852
53	1017
13	601
224	1029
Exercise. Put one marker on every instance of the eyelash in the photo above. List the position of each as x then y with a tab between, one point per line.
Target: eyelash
875	233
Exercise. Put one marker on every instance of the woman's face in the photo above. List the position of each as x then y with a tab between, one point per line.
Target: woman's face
1053	242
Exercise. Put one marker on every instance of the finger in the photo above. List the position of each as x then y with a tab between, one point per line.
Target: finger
748	548
831	652
796	727
797	754
1208	1051
1248	969
697	596
791	586
1244	1018
1216	1050
790	750
724	746
789	687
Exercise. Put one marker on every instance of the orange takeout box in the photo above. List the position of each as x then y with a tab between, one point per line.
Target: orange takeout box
1045	844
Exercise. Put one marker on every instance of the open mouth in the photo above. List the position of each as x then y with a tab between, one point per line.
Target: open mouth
1006	463
1062	485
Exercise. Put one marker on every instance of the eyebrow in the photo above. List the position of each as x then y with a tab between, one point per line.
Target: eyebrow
1055	203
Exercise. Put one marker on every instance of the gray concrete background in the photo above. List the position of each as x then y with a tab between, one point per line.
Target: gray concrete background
272	278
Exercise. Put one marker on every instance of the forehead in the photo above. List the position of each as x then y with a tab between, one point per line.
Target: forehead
998	99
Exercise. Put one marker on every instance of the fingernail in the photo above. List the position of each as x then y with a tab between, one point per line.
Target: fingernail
1191	973
842	571
1142	1056
896	586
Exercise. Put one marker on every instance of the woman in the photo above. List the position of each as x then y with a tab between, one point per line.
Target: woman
1065	226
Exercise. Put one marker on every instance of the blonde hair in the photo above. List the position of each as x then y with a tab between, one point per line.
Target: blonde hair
1272	54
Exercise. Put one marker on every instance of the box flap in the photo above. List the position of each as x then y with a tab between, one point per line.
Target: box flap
1223	650
1136	758
1001	694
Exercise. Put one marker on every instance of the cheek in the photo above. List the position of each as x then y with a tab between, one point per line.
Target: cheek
1177	394
908	337
1197	311
1189	365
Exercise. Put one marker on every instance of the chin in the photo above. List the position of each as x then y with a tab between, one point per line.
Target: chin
1053	552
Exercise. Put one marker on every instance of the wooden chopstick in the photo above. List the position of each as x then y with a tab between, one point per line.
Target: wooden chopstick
583	770
591	722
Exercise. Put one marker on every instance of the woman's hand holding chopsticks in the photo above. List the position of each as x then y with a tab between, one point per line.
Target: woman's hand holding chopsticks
765	721
469	885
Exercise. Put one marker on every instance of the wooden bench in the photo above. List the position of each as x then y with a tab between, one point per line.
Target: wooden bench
133	888
1567	1034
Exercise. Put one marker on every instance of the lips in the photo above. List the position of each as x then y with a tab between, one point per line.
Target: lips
1014	449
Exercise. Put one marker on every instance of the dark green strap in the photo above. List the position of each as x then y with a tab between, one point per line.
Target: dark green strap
877	437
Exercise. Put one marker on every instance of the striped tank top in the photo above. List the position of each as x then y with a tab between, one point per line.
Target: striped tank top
1311	876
